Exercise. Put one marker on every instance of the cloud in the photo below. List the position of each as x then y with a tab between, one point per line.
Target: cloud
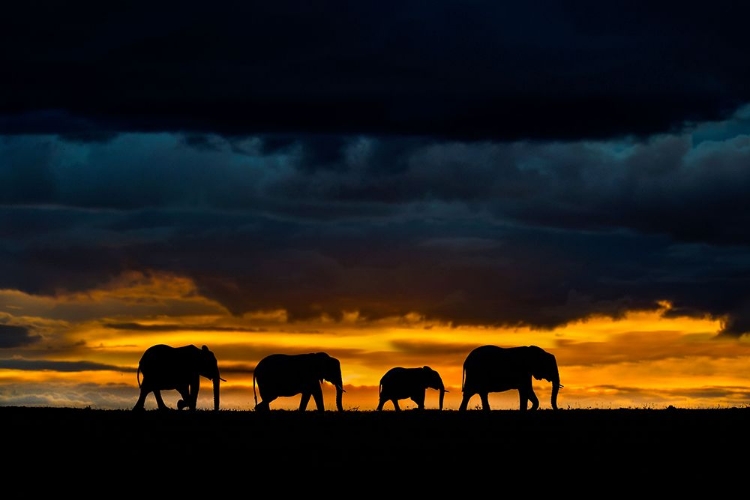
537	70
12	336
177	328
480	164
525	233
58	366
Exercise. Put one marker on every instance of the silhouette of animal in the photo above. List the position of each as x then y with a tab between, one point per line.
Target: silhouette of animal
492	368
401	383
176	368
285	375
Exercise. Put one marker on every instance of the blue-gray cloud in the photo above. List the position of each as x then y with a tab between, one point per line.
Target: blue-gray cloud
521	233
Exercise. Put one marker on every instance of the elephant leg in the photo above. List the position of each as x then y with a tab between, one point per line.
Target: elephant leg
531	396
485	400
303	402
139	405
465	401
185	401
192	392
317	395
159	400
395	404
419	400
381	402
263	405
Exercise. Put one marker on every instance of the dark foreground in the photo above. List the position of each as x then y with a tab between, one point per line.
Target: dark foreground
390	454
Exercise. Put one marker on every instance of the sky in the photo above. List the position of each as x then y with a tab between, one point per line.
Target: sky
394	183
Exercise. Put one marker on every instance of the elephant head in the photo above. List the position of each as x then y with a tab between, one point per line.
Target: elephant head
433	380
179	368
208	367
330	370
543	366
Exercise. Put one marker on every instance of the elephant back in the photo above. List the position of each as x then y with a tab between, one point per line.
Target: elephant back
284	374
171	366
494	369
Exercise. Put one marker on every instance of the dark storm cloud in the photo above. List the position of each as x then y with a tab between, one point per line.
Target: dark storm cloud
489	233
58	366
480	163
469	70
16	336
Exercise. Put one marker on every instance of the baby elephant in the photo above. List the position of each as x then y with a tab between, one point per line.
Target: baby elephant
401	383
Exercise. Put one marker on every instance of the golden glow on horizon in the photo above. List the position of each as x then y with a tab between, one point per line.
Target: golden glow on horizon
641	359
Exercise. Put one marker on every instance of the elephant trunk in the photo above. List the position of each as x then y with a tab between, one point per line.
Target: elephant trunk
555	390
340	397
217	384
442	396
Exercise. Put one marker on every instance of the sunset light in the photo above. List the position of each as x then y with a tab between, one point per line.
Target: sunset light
89	344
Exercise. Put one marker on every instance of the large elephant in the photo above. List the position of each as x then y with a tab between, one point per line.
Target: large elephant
284	375
180	368
401	383
491	368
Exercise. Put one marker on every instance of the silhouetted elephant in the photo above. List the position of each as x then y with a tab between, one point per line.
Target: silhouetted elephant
401	383
491	368
283	375
180	368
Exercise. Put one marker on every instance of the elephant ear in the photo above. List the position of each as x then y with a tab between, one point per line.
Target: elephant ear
545	370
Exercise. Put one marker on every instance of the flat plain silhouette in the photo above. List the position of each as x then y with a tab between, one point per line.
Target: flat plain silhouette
671	451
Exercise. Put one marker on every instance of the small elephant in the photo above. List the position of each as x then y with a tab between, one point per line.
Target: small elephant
284	375
176	368
401	383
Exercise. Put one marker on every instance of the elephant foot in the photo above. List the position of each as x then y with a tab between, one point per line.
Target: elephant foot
181	404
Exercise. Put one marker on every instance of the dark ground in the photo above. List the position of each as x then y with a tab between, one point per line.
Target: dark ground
581	452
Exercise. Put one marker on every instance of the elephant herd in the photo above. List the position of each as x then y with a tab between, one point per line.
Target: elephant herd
486	369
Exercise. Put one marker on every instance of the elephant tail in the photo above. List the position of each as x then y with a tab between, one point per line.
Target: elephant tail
255	395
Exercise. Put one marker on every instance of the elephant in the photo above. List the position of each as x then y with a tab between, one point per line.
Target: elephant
283	375
165	368
491	368
401	383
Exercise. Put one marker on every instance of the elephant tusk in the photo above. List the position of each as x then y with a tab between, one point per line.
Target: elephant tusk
222	379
